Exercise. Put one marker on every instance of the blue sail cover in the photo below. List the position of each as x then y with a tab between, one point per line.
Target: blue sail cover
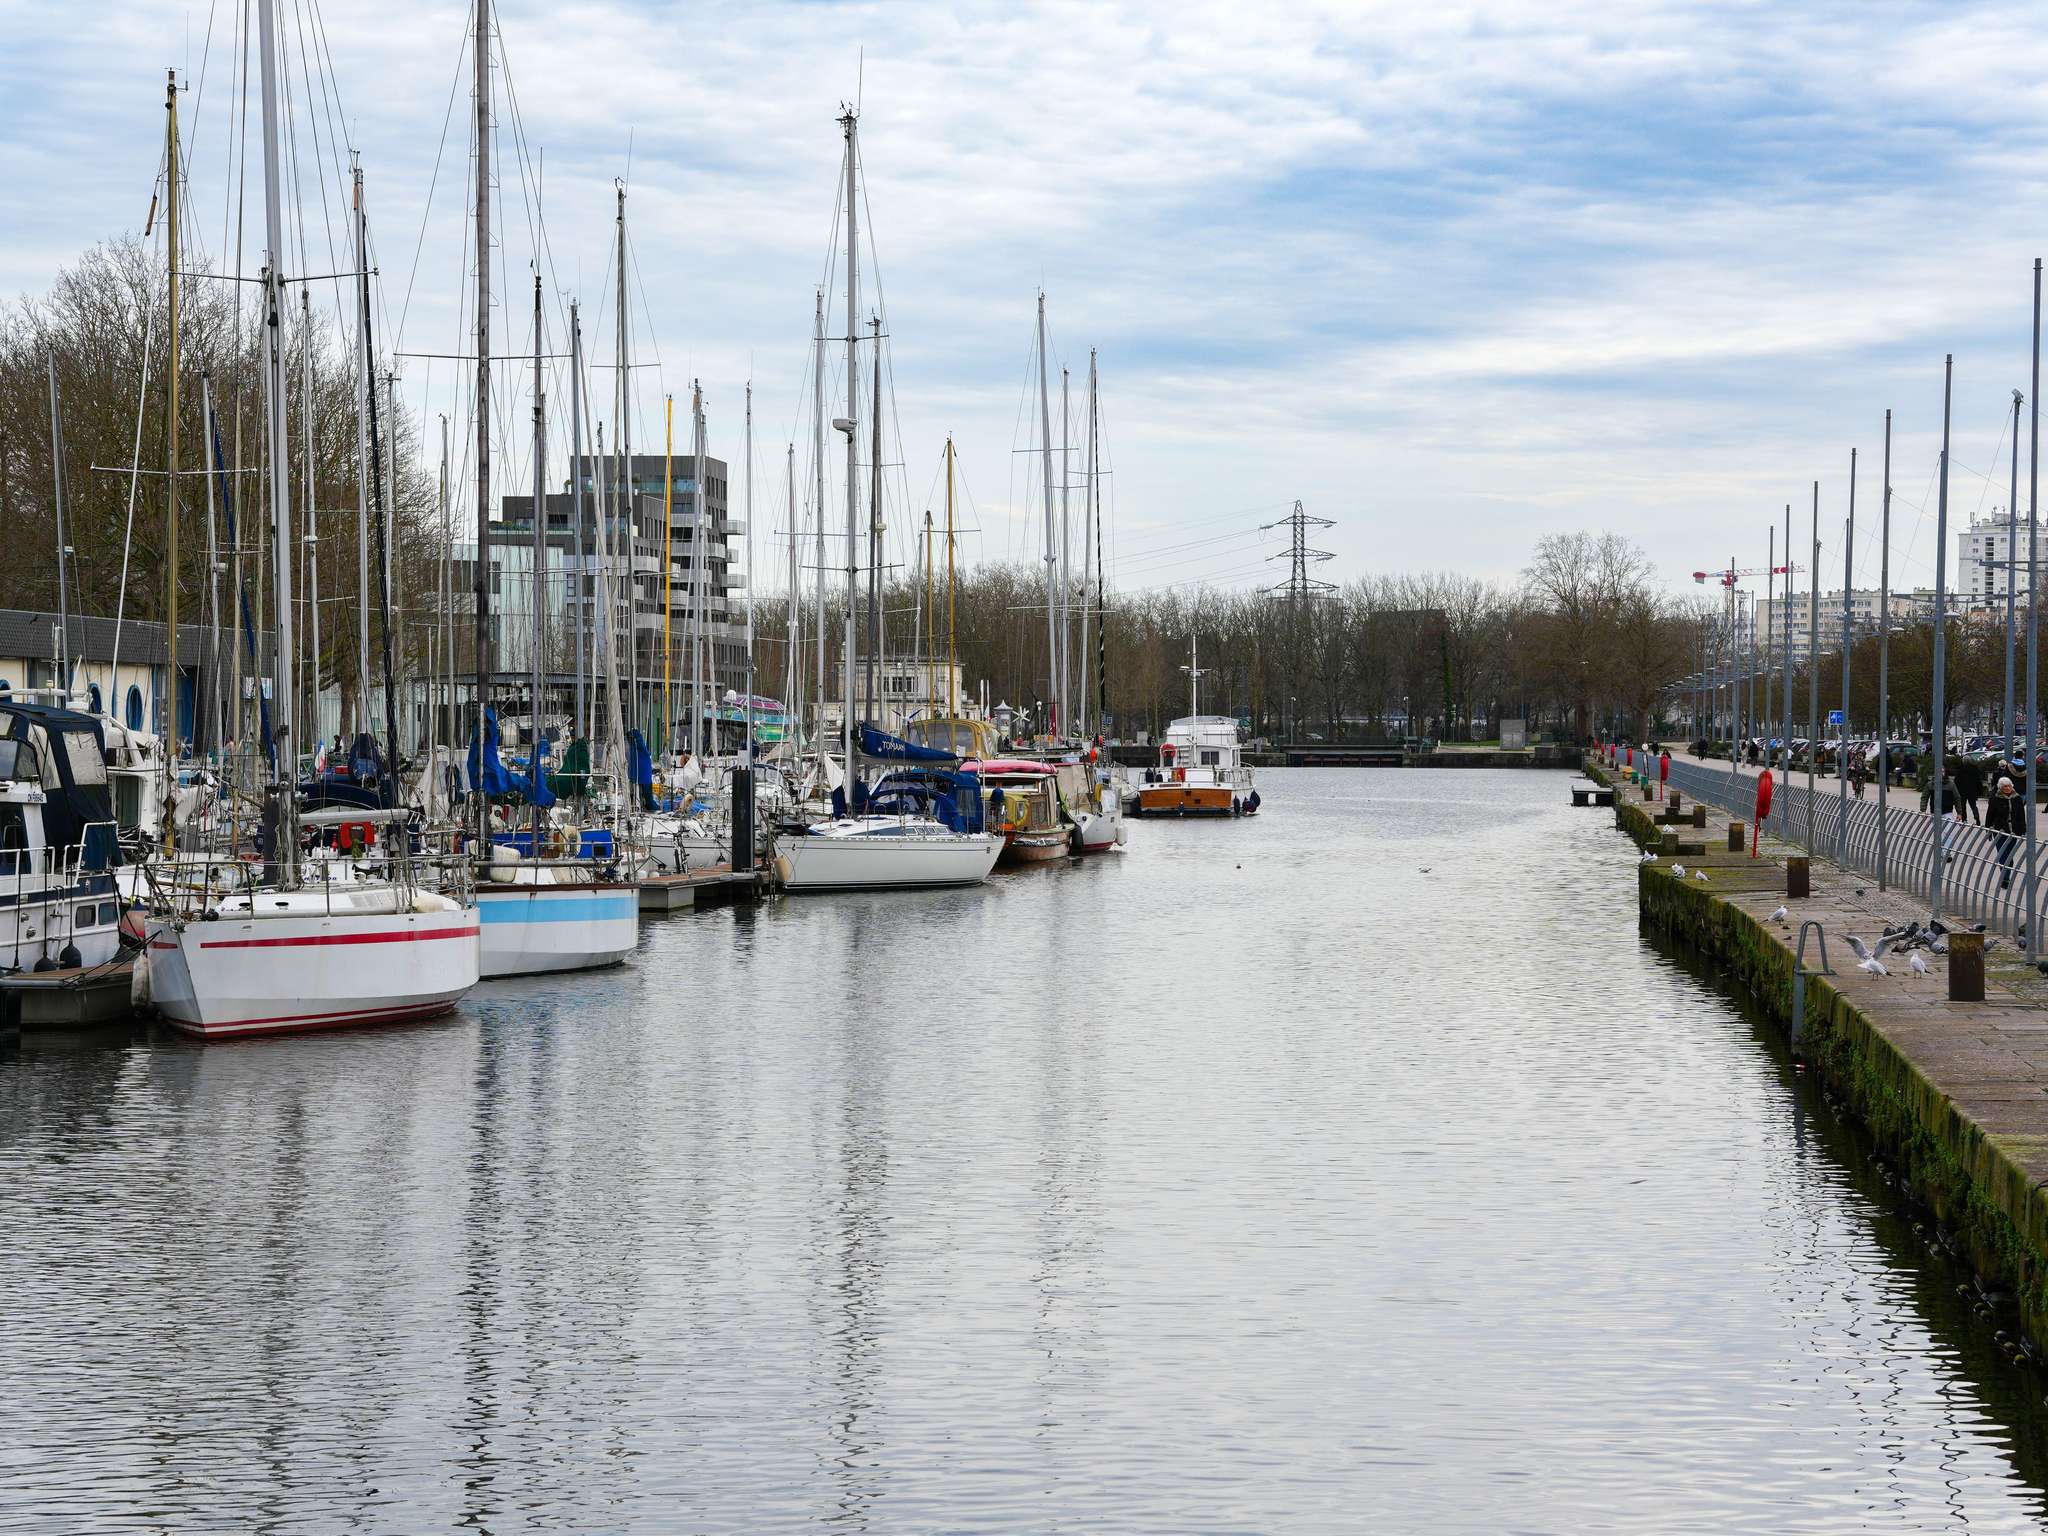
941	793
894	749
496	780
641	766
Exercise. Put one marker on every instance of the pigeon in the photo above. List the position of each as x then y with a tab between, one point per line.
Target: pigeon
1777	916
1917	963
1678	870
1699	874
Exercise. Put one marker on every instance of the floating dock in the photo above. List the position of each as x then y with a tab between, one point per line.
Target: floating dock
715	886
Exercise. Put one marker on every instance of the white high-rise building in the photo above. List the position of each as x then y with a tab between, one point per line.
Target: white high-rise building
1982	568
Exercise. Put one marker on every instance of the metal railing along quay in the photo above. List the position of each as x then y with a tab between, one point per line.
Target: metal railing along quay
1897	852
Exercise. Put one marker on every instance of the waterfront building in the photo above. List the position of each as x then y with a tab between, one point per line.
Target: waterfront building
1906	608
138	693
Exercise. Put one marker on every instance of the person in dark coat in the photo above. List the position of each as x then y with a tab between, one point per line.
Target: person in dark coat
2007	820
1968	778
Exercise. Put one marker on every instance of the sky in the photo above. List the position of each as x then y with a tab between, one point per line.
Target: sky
1456	276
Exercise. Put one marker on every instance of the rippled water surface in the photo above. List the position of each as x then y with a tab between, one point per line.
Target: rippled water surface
1355	1168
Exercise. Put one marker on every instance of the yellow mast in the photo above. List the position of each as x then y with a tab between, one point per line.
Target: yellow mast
171	443
668	570
952	637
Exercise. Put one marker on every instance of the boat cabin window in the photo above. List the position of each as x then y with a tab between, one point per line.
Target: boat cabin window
18	760
82	752
1211	757
13	840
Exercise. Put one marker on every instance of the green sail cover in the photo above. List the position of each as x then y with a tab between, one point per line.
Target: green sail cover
573	778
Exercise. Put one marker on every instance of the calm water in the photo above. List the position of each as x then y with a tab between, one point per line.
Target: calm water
1357	1168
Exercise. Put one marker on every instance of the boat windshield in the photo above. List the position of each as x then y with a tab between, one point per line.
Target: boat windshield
18	761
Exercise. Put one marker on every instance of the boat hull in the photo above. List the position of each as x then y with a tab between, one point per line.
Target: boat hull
810	863
305	971
1035	847
1099	833
531	929
1182	800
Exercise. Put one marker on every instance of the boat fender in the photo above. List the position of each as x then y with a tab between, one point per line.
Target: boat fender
69	958
502	860
139	995
782	870
1122	834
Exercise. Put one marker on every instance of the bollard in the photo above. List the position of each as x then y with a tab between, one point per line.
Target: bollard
1966	967
1800	973
1798	876
1699	814
1669	844
1649	790
1677	803
1736	833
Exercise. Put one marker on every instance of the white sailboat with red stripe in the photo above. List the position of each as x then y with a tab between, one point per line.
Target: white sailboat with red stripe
288	952
274	962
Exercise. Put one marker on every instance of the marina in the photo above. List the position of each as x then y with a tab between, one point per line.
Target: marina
738	794
611	1240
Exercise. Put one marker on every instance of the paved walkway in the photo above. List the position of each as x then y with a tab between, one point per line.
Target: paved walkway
1990	1058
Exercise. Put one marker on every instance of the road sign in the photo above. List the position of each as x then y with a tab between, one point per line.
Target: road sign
1834	717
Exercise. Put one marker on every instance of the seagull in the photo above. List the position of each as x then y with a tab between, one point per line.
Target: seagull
1862	949
1875	966
1699	874
1678	870
1648	858
1917	963
1777	916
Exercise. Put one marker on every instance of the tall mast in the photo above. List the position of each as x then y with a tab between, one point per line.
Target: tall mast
699	601
363	388
311	536
665	742
818	499
875	527
1066	564
791	688
622	442
851	124
1052	637
284	848
1088	533
931	625
171	426
579	611
952	634
747	515
483	397
57	491
540	564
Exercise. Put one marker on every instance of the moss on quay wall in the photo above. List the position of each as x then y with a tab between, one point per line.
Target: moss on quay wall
1974	1182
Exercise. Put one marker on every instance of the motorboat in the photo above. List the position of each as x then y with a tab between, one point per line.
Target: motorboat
1200	772
59	906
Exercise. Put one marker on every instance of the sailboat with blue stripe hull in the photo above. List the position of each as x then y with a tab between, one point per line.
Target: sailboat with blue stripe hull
531	924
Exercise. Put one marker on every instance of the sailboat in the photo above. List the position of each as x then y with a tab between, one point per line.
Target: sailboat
538	910
923	827
283	955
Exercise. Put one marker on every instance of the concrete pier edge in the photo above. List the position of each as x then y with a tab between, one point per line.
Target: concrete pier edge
1976	1182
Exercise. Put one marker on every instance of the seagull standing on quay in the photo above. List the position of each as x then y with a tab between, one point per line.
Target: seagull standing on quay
1777	916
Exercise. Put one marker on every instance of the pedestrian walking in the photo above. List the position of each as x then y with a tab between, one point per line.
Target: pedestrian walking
1923	776
1968	777
1859	771
2007	821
